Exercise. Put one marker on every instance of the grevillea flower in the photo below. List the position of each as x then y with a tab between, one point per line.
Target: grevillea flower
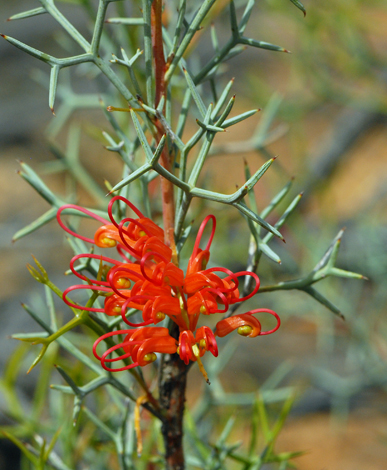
146	278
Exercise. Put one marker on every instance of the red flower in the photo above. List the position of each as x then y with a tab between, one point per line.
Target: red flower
140	345
146	279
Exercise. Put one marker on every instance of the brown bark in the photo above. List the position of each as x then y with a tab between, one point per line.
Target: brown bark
172	386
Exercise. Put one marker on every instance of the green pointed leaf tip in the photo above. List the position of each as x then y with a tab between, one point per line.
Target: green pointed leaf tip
299	5
41	274
27	14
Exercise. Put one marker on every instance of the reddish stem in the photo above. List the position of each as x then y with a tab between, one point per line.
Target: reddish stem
158	51
159	67
172	375
167	197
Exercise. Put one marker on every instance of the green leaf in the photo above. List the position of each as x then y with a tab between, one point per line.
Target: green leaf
209	127
197	98
39	222
222	99
263	419
299	5
241	117
255	218
27	14
323	300
30	50
284	216
141	136
35	181
268	115
126	21
214	38
267	251
102	426
53	86
261	44
281	420
254	430
276	200
342	273
226	431
246	16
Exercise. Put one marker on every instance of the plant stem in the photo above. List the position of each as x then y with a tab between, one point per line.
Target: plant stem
158	49
167	194
172	385
173	371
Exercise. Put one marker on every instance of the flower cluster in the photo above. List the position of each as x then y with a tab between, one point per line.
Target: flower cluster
148	279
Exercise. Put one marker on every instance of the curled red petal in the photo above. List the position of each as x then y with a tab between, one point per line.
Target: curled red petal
166	305
186	341
107	236
202	302
113	305
135	299
158	246
210	342
165	345
143	261
145	333
227	325
199	262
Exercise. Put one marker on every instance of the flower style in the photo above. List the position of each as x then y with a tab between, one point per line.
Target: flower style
148	279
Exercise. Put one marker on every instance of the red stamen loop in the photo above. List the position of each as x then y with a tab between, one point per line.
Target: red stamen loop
92	256
135	298
108	335
136	222
195	250
253	292
142	264
80	287
231	275
127	202
120	248
222	297
84	211
119	358
266	310
114	348
117	272
124	235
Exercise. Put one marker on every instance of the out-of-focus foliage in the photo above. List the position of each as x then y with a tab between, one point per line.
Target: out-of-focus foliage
333	89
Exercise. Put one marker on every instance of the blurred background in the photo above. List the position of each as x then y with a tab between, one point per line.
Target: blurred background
325	107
